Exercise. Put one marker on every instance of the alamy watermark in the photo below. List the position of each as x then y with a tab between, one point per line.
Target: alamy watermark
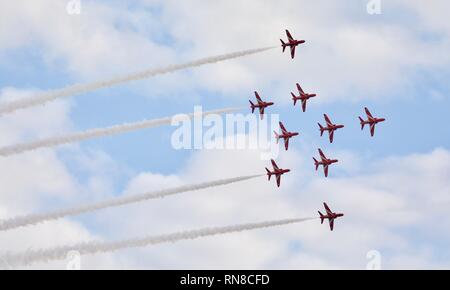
374	260
231	131
73	7
373	7
73	260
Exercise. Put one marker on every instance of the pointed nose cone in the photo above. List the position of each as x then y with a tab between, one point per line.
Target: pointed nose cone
302	41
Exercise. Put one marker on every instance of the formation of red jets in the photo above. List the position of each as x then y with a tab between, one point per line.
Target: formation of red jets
303	97
260	105
277	172
325	162
286	135
329	127
331	216
371	121
292	43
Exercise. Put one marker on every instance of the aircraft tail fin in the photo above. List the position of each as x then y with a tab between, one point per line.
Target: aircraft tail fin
283	44
322	217
362	122
269	174
316	163
252	106
322	129
294	98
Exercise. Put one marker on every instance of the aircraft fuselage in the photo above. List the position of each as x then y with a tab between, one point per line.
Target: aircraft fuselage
295	42
333	215
333	127
263	105
288	135
374	121
328	161
281	171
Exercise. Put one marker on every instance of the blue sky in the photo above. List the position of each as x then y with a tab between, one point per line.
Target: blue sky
410	115
351	59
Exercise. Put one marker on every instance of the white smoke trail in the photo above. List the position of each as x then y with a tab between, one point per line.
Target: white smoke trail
82	88
59	253
119	201
100	132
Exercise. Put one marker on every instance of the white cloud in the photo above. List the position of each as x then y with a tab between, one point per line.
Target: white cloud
392	206
89	44
381	205
348	52
42	121
39	181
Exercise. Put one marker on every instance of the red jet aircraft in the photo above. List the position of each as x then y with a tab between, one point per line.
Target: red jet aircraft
330	216
371	121
261	105
302	97
277	172
325	162
330	127
292	43
285	134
